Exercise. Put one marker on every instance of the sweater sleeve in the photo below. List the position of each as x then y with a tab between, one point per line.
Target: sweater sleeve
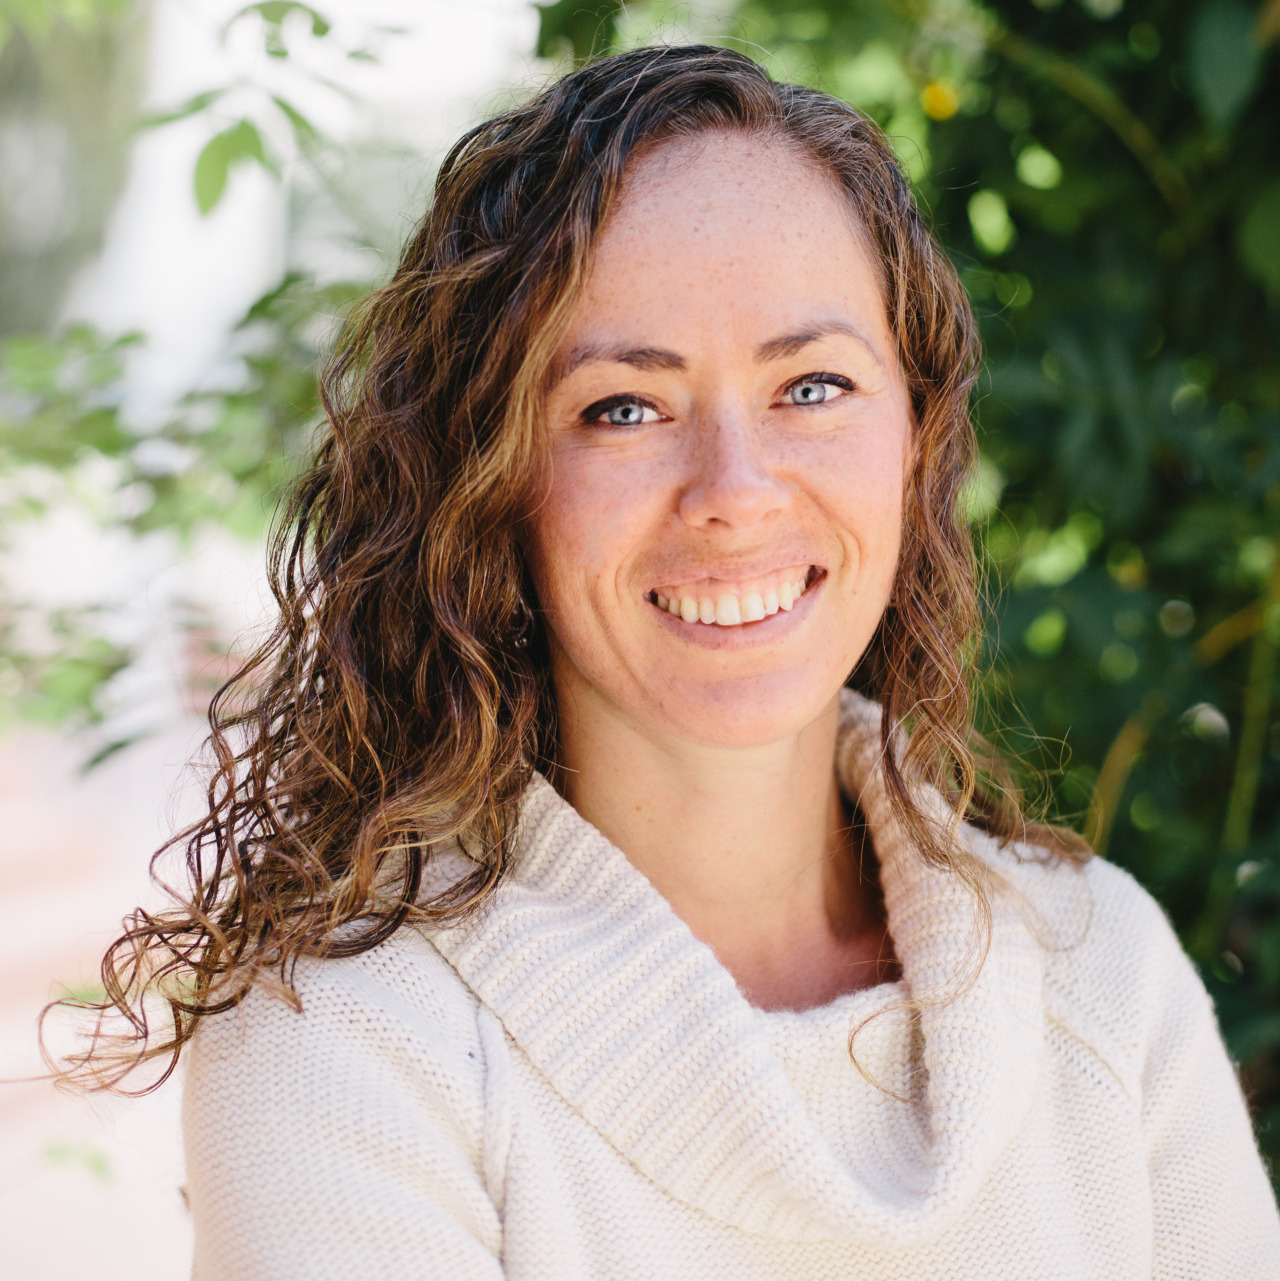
349	1141
1212	1204
1132	994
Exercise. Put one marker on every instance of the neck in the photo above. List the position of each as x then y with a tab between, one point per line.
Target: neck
752	847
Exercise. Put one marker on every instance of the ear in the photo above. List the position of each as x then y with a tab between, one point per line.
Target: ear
911	454
911	445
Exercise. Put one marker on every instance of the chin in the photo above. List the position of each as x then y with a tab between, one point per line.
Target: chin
748	713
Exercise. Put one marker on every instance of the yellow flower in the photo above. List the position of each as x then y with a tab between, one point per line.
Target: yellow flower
940	99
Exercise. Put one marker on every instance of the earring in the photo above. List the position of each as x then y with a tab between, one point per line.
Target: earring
524	624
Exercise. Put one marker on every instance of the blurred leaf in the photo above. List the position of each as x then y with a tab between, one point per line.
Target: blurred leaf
30	363
193	106
65	685
1045	635
233	146
86	992
1039	168
1223	59
104	753
85	1156
1259	238
34	18
273	14
576	30
211	170
37	19
304	131
993	230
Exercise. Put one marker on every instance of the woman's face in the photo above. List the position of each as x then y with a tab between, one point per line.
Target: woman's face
729	433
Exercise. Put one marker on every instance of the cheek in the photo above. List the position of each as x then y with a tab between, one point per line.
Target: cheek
566	541
580	532
863	478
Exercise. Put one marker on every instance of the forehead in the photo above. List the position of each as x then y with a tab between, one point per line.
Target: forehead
733	164
721	227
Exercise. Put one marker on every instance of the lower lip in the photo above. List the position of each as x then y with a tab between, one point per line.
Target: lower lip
743	635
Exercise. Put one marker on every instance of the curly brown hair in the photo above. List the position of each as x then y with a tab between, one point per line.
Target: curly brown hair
403	700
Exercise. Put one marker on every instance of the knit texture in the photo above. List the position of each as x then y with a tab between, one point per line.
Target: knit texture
569	1086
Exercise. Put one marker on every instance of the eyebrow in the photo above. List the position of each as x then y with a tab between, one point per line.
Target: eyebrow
788	344
646	358
652	359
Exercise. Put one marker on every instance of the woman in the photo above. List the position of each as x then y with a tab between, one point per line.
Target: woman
586	893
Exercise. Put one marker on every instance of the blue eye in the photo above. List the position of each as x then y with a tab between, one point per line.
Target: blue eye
810	393
817	389
620	411
625	415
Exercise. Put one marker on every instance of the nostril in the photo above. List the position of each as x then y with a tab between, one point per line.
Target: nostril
733	481
734	501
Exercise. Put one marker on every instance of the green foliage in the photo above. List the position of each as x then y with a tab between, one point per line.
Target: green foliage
1258	238
36	19
273	14
222	458
577	30
63	683
243	141
223	455
1104	175
57	398
1223	60
86	1157
221	153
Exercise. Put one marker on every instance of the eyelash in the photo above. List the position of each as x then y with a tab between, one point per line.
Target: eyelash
827	380
593	413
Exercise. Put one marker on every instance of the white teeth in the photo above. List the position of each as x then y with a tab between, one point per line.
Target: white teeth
730	610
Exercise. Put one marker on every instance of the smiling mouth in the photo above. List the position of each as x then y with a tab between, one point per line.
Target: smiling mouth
699	605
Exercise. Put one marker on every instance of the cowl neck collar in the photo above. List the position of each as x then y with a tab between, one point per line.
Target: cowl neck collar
640	1030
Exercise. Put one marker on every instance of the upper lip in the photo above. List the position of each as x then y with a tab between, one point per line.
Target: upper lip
731	571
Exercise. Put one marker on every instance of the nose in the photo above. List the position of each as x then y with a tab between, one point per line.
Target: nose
732	483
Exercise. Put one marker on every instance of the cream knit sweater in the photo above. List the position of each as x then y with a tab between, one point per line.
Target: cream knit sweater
570	1086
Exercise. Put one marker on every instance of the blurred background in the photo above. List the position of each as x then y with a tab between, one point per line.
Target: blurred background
192	190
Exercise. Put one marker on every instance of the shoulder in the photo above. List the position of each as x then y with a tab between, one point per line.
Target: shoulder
402	982
1115	972
345	1134
396	1014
